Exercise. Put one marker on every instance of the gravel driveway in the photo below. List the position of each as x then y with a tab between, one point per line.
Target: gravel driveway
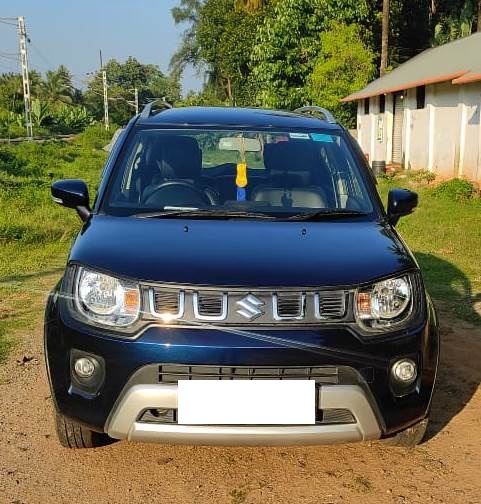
446	468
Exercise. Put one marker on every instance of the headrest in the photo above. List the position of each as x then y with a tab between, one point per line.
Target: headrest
291	156
181	157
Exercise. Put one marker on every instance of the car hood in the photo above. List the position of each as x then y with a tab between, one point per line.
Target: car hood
242	252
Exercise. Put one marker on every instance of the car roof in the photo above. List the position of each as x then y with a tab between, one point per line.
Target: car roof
237	117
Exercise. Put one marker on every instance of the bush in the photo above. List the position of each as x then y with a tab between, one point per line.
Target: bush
423	176
456	189
95	136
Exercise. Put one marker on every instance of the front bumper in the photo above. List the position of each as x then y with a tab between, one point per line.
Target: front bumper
116	407
124	422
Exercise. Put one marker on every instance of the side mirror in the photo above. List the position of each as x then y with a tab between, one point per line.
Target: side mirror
400	202
72	193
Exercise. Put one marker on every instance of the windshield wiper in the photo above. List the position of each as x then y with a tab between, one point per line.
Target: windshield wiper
205	214
325	214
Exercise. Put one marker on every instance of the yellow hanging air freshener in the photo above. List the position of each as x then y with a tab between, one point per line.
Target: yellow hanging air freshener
241	181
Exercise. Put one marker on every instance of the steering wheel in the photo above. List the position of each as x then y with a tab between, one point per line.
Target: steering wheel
177	193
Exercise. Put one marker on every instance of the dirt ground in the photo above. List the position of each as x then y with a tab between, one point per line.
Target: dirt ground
446	468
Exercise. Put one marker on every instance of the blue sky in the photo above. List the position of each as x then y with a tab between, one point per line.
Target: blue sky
72	32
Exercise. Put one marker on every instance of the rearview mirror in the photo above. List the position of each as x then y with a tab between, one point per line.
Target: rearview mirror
240	144
72	193
400	202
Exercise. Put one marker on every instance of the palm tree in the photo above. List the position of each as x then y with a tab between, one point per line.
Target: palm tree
58	88
188	53
384	37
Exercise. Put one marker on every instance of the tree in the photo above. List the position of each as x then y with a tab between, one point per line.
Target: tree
188	53
249	5
385	36
225	46
454	19
57	87
122	79
288	44
11	90
344	66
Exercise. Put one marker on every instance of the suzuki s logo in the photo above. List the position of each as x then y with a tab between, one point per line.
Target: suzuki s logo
250	307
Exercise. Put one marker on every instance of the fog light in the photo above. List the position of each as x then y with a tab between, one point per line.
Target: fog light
85	367
404	371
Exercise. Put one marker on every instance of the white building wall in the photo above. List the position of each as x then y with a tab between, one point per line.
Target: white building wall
419	138
444	136
470	162
364	129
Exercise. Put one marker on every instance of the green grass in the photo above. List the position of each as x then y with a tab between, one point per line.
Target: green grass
444	234
35	234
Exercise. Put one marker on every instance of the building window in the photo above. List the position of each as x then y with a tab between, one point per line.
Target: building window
366	106
382	104
421	97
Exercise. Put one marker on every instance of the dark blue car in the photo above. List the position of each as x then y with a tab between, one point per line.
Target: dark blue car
237	281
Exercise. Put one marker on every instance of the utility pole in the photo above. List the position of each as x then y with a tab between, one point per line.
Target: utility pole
106	96
22	39
384	37
136	98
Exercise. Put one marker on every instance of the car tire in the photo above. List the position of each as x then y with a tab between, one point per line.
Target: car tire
74	435
410	437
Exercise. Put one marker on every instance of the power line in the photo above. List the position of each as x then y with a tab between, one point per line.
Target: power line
2	20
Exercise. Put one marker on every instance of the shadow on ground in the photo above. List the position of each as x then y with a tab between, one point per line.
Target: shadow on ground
4	281
459	374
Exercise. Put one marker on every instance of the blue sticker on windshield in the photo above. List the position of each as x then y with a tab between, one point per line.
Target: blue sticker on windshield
322	137
299	136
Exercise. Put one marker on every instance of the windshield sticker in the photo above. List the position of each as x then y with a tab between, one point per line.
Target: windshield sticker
322	137
299	136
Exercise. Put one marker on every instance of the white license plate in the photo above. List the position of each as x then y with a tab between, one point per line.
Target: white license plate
246	402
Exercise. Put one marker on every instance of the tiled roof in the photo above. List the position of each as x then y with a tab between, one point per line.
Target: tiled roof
458	61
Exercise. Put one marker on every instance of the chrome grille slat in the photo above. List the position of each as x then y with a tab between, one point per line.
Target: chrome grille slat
330	305
166	301
210	305
166	304
288	306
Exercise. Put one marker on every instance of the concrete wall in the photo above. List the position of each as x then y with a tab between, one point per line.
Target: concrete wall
443	137
419	149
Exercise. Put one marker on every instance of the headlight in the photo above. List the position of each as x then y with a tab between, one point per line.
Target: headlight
384	303
106	300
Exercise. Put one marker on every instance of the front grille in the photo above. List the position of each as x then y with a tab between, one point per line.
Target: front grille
210	305
238	307
336	415
331	305
289	306
166	301
172	373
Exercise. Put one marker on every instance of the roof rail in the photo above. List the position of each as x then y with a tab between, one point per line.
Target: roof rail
149	109
312	108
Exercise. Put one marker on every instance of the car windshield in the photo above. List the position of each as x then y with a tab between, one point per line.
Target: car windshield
231	172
